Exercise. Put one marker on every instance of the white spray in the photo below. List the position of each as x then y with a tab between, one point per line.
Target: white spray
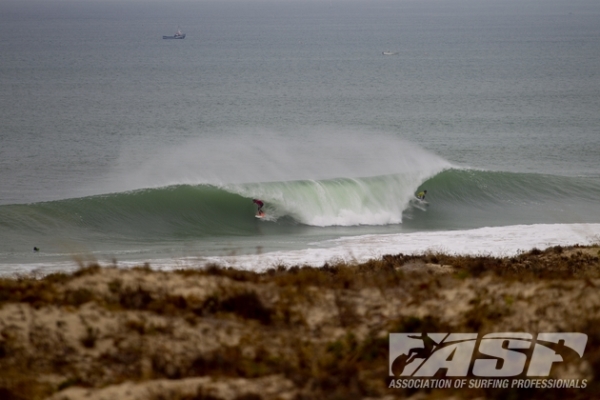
319	176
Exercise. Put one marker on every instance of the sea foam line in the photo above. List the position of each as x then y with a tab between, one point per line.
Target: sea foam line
491	241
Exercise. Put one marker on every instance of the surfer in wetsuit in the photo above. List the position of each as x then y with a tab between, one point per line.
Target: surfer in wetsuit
260	205
421	195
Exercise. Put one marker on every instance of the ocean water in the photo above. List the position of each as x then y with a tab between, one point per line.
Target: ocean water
119	146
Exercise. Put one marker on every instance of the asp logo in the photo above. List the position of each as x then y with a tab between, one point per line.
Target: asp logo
505	354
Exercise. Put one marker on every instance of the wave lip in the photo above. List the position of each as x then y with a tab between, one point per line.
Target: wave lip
377	200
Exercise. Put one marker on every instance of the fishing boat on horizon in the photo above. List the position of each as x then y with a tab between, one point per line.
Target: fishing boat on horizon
177	35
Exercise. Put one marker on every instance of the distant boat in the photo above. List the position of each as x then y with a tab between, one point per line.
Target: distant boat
177	35
390	53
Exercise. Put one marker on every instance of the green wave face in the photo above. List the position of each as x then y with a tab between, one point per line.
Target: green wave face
206	210
463	198
457	199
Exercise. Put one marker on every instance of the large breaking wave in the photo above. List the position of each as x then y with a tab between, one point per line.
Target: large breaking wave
181	211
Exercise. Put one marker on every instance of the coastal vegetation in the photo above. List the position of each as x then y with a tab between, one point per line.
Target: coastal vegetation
285	333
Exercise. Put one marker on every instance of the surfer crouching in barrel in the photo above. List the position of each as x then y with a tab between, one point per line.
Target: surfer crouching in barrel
260	205
421	195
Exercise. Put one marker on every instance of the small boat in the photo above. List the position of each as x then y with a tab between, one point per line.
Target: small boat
390	53
177	35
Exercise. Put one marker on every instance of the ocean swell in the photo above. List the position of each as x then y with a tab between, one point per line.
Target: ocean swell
455	196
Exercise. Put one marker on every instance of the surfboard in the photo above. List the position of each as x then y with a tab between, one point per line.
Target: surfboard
260	215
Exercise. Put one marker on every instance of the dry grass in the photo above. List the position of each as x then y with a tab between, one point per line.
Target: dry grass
313	333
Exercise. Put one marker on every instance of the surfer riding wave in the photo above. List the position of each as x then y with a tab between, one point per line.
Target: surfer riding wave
260	205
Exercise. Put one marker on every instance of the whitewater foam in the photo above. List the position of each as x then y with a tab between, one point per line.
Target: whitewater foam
338	202
494	241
